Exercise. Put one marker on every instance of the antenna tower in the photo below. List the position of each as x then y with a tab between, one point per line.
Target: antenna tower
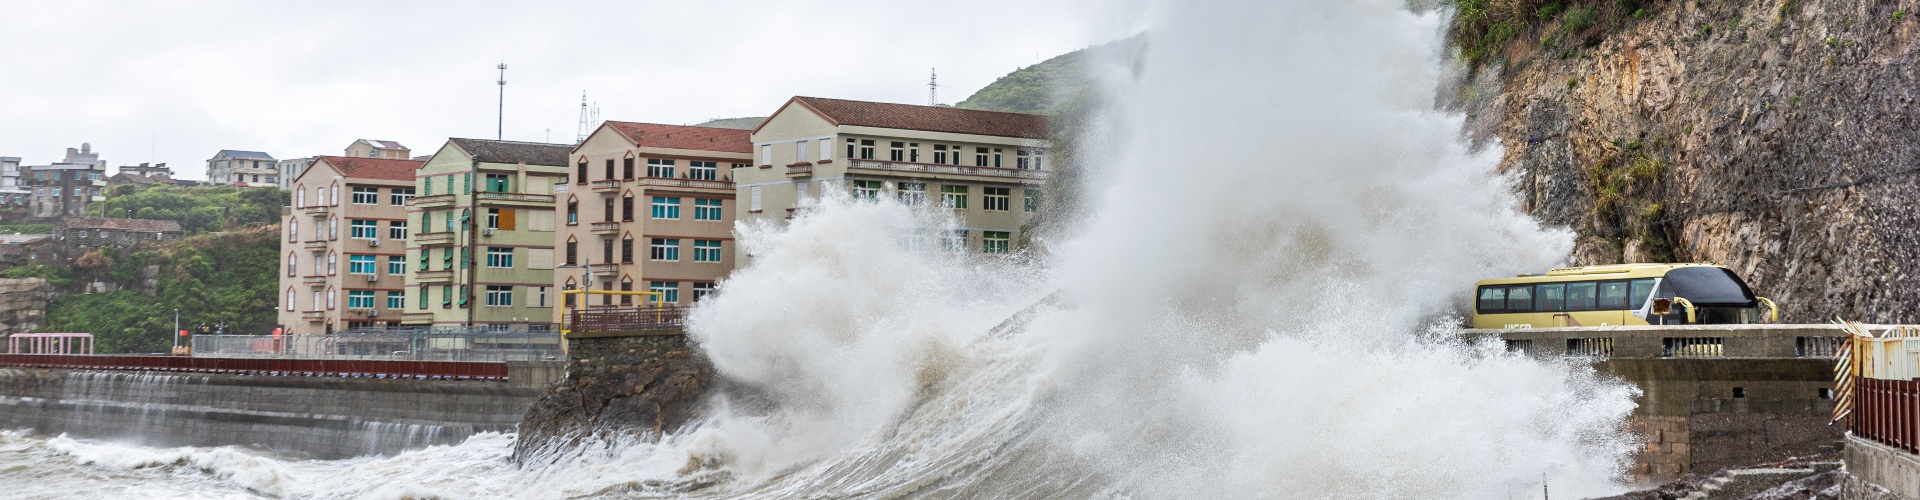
933	87
582	131
499	133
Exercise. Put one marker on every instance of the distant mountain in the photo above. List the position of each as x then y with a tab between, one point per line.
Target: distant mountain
741	123
1049	86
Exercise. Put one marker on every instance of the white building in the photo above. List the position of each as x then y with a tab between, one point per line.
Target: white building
243	168
12	192
291	169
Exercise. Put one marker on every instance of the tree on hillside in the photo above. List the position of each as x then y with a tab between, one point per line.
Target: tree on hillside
197	209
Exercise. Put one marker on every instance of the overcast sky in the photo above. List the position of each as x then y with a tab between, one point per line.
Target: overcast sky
177	81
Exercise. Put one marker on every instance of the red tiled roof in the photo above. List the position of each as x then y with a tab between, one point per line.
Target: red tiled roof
928	118
373	168
655	135
137	225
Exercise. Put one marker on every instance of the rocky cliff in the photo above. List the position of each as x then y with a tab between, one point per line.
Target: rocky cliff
1777	137
616	387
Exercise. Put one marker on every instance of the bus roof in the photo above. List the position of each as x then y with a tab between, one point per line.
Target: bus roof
1610	271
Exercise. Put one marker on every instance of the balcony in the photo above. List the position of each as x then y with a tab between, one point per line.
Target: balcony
433	276
416	318
435	201
659	182
604	270
606	186
433	238
517	199
314	280
313	316
606	227
947	171
317	246
800	170
316	210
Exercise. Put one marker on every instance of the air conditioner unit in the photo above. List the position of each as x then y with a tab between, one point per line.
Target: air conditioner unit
486	232
373	243
373	313
373	277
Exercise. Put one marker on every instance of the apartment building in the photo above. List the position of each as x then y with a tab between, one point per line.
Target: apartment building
13	189
376	148
345	252
482	253
243	168
68	187
651	207
986	166
289	169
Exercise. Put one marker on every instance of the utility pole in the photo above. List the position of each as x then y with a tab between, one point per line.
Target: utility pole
176	330
501	127
933	87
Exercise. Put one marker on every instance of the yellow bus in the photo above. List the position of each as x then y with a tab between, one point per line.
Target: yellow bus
1621	294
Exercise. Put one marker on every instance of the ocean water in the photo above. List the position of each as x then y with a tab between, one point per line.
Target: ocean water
1255	304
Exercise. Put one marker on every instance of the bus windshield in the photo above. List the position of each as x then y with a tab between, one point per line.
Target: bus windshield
1710	286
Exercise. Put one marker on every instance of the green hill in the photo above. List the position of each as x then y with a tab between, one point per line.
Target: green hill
741	123
1048	87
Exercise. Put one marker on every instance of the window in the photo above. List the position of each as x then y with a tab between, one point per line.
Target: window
1030	199
954	241
364	229
466	257
293	231
446	296
826	149
333	264
1613	295
446	258
1553	297
659	168
573	252
580	174
626	285
426	188
333	229
540	296
1580	296
766	154
626	249
993	242
609	169
940	153
1642	289
500	257
423	297
897	151
366	196
665	207
466	293
706	250
606	211
361	264
669	291
704	209
701	291
316	301
996	157
606	250
330	299
1020	158
851	144
396	299
753	199
449	217
626	208
426	221
397	230
626	168
953	196
573	212
396	265
996	199
289	303
1492	298
913	152
499	295
567	298
333	194
359	299
979	157
493	218
293	265
498	183
401	196
866	149
706	170
1039	158
666	249
866	190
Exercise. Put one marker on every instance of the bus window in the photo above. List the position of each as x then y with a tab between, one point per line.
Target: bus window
1642	288
1492	299
1553	297
1613	295
1520	298
1580	296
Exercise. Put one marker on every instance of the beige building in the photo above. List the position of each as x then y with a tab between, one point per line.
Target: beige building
651	207
987	166
344	264
482	253
375	148
243	168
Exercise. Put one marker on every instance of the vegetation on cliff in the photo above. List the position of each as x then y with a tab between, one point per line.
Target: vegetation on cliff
213	279
198	209
1486	29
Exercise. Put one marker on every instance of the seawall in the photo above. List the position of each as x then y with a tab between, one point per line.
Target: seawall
325	417
618	385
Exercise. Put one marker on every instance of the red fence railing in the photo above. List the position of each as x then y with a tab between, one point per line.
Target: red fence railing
1887	411
440	370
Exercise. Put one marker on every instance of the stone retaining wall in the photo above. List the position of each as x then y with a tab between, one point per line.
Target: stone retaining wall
318	416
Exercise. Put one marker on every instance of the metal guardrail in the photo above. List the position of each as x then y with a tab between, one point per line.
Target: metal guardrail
441	370
411	344
1887	411
1711	341
929	168
625	319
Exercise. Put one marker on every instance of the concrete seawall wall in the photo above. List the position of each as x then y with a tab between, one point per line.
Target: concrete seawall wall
319	416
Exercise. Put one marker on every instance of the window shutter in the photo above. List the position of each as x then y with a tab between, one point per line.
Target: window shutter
755	199
826	149
506	219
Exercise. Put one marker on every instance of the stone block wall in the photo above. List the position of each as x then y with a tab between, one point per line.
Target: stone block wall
23	304
617	385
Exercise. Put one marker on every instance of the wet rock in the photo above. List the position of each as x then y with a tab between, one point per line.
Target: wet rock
616	388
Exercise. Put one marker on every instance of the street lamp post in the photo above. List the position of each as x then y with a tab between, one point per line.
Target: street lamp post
176	330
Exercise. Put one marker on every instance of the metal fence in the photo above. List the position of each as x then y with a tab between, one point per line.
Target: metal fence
518	343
